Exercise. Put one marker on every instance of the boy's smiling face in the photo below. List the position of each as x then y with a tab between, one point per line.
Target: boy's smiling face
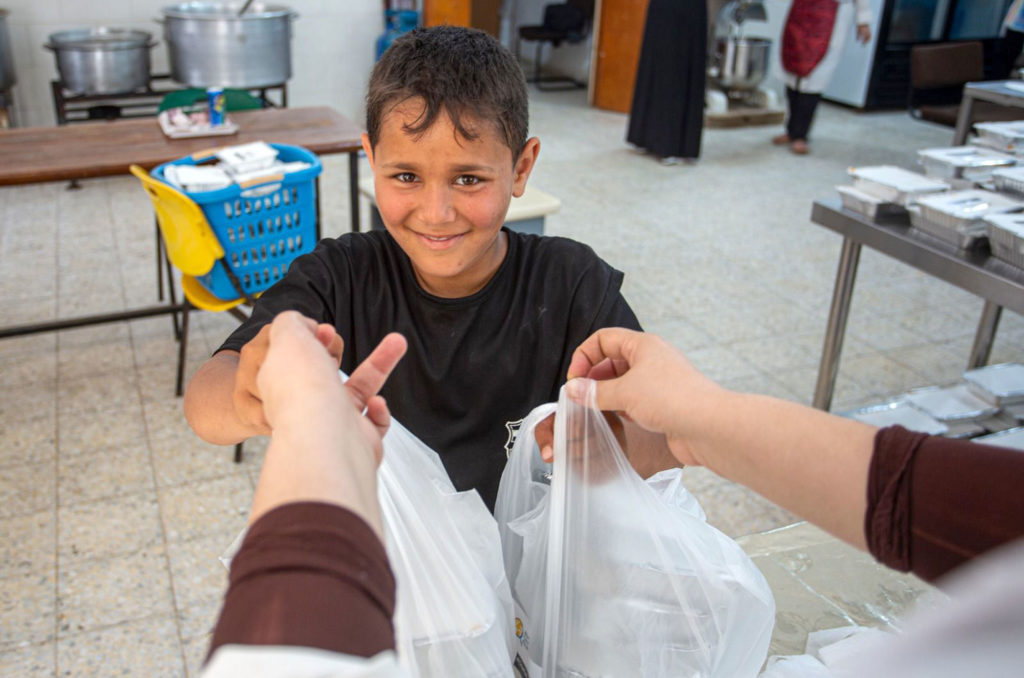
443	197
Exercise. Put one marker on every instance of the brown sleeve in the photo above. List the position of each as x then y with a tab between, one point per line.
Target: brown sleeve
309	574
934	503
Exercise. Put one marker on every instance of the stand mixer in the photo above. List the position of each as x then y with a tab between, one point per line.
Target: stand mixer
737	67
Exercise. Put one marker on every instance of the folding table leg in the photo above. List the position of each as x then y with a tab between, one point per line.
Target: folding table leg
985	335
836	328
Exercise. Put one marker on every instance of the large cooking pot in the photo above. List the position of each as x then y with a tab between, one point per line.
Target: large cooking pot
7	78
740	64
210	45
102	60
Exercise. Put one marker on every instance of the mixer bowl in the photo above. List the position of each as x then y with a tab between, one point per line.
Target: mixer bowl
740	64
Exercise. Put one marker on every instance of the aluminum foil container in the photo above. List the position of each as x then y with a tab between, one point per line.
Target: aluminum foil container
894	184
1005	136
951	403
958	216
1012	438
1000	385
963	162
1009	180
1006	235
868	205
899	412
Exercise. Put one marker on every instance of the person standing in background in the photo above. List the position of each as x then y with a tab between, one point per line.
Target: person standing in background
1013	38
667	115
812	42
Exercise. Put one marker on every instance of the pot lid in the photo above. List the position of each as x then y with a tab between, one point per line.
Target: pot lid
102	38
219	11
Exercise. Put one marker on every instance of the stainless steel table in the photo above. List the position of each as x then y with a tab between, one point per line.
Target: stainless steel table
998	283
1003	92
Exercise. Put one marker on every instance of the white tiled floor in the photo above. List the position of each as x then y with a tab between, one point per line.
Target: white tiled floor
112	512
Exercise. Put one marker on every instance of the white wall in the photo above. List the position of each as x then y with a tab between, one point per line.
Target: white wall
332	48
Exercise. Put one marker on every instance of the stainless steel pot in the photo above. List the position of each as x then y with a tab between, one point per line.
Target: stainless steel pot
102	60
7	79
210	45
740	64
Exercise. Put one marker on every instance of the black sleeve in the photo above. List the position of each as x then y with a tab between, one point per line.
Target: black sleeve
597	303
312	285
309	574
935	503
613	311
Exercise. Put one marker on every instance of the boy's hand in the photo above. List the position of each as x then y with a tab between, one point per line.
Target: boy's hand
545	435
301	387
246	395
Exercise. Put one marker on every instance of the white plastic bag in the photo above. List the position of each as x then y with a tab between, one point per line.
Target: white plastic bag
636	583
454	609
521	512
453	613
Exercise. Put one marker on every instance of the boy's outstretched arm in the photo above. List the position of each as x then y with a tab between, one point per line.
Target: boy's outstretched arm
222	401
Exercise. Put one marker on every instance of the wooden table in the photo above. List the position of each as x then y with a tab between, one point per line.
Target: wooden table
41	154
102	149
995	281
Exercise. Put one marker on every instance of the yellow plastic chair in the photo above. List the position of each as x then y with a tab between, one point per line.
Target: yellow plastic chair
192	248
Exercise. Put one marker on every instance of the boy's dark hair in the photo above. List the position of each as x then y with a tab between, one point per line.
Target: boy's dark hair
461	70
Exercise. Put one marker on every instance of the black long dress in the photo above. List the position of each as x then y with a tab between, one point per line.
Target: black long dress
667	116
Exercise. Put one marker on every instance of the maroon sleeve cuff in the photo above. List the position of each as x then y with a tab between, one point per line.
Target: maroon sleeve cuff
887	519
310	574
935	503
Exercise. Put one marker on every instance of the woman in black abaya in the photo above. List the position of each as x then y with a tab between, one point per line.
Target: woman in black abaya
667	116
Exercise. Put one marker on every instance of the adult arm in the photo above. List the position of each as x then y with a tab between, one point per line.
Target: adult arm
600	303
935	503
312	570
919	503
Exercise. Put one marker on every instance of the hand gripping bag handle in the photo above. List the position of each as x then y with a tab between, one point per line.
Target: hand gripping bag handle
637	585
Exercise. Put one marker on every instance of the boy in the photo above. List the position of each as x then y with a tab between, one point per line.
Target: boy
491	316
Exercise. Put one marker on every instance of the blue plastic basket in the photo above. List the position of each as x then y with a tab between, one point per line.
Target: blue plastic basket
262	227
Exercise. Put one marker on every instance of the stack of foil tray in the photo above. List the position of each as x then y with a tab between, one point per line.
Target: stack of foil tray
1009	180
1006	237
893	184
957	217
1001	385
963	166
872	207
988	400
1007	137
1012	438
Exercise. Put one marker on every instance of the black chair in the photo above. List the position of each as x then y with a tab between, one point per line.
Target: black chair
938	73
566	22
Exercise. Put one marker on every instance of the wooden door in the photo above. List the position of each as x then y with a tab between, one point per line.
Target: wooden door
482	14
617	51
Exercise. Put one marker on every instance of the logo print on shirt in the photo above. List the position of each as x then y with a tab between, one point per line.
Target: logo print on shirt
513	432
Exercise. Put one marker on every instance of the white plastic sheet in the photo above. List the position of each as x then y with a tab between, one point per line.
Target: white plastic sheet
636	583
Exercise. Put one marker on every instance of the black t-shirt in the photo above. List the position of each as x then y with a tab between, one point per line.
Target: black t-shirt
475	365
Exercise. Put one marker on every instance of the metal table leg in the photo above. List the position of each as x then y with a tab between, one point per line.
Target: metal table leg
963	119
986	334
353	188
842	294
